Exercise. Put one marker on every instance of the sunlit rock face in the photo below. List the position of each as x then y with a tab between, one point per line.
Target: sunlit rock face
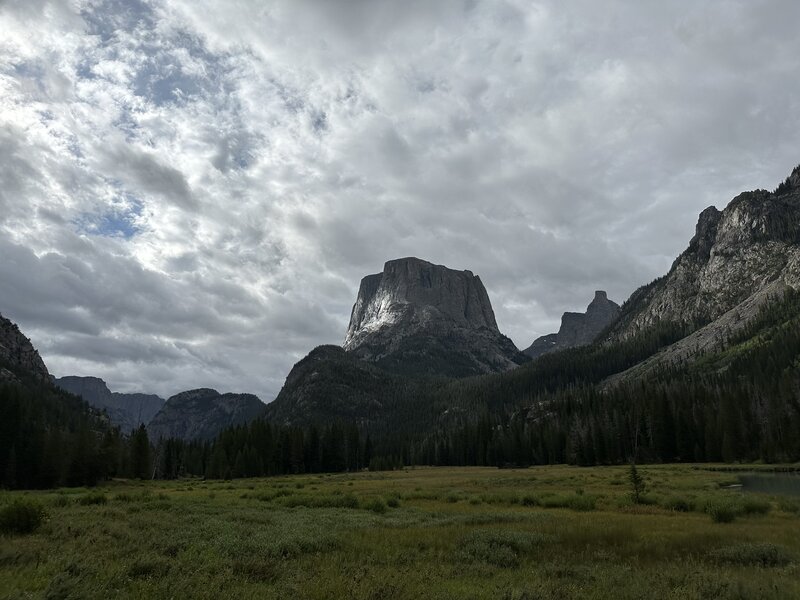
750	247
419	318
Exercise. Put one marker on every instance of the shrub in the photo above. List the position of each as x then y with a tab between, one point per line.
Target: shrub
721	511
21	516
93	498
789	505
499	547
393	502
638	486
725	510
677	503
577	502
376	505
755	506
760	555
529	500
61	501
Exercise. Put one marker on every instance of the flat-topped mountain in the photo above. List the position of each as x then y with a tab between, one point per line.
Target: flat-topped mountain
17	354
578	329
202	413
418	318
127	411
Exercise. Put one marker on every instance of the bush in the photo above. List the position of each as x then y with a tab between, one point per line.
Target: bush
93	498
21	516
376	505
393	502
789	505
754	506
759	555
721	511
725	510
677	503
499	547
61	501
577	502
529	500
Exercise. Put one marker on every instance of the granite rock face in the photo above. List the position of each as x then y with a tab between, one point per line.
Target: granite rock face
17	354
578	329
424	319
127	411
735	254
203	413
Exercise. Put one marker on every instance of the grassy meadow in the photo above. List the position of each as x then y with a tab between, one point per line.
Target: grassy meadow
544	532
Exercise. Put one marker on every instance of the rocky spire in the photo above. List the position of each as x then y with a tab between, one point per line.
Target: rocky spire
578	329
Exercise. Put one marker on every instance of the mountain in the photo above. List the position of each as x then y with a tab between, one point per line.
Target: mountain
417	318
332	385
17	354
578	329
739	260
127	411
201	414
48	437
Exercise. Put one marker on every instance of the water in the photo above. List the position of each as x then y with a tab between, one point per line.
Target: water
784	484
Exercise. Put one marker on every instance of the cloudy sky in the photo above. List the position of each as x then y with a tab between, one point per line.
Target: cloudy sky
191	190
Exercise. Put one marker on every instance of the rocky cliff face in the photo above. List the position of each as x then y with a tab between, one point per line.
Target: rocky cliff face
419	318
17	354
127	411
201	414
734	255
578	329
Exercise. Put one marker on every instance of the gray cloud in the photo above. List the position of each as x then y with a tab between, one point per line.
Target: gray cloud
190	192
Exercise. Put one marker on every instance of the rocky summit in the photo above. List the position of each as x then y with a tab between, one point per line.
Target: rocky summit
418	318
17	354
743	253
127	411
578	329
203	413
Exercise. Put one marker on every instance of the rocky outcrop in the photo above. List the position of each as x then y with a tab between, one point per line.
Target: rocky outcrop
18	357
203	413
578	329
734	254
424	319
127	411
739	260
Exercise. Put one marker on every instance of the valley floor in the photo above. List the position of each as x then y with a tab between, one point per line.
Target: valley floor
543	532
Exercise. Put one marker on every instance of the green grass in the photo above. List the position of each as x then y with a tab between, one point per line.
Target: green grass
544	532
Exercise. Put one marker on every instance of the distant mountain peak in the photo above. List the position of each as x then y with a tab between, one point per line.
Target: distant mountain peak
578	329
127	411
203	413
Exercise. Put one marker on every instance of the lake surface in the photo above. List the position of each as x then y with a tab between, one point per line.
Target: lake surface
787	484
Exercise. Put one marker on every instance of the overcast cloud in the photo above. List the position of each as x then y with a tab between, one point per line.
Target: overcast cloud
191	190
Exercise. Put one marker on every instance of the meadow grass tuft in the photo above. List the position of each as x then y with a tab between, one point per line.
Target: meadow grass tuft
748	554
499	547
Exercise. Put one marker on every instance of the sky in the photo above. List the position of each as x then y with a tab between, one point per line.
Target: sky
191	190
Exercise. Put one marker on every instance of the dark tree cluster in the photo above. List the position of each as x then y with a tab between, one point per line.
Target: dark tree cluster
262	449
51	438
